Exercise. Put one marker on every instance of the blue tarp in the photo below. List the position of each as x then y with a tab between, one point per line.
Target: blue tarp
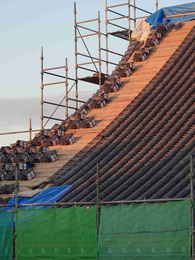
185	12
49	195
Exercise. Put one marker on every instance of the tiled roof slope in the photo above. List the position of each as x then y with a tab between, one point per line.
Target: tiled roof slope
87	137
144	152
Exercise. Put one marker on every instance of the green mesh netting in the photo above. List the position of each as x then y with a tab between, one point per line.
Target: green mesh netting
6	235
146	231
68	233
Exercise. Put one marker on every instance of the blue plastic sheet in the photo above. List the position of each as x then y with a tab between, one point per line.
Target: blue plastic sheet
178	13
49	195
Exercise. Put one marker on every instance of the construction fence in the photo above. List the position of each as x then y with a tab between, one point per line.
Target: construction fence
137	231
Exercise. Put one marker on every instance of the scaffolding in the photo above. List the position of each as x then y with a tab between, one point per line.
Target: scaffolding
83	30
124	33
92	64
64	102
94	61
121	31
114	29
30	131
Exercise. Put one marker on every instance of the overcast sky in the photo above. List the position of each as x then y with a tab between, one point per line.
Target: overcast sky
25	26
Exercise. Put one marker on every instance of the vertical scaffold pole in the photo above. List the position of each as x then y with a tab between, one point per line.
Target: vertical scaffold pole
66	89
192	200
30	130
99	48
157	5
42	88
106	29
76	55
15	211
134	12
129	18
98	197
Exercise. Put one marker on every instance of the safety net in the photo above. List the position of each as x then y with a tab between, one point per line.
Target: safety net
57	233
6	235
146	231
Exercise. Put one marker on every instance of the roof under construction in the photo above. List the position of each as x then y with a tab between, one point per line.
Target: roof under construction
144	151
141	145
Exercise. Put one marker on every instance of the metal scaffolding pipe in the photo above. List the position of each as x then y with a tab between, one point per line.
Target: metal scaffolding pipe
86	35
91	30
75	50
111	52
30	130
54	74
157	5
92	203
42	88
20	132
99	50
117	5
54	68
53	83
87	21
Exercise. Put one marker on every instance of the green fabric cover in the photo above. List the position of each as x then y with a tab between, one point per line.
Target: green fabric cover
63	233
6	235
145	231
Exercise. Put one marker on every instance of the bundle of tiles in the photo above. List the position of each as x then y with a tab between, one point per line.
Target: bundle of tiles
154	39
8	189
17	161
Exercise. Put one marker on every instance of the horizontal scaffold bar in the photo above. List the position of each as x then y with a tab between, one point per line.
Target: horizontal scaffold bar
88	21
97	59
83	68
140	9
59	105
112	52
77	100
127	4
118	5
20	132
98	203
53	104
53	118
119	26
91	30
55	68
114	12
53	74
87	35
118	18
54	83
57	75
87	63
